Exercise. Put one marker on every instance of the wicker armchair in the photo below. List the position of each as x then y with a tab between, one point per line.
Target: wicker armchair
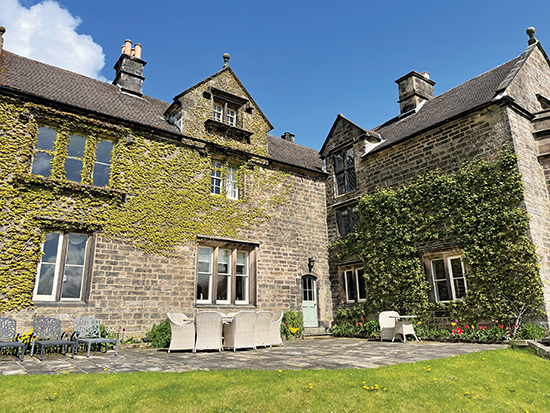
9	337
208	325
275	329
261	333
87	331
183	332
386	319
240	332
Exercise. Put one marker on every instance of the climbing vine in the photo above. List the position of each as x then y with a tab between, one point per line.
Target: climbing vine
158	195
480	210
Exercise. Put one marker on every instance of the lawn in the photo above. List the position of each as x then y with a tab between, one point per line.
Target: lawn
511	380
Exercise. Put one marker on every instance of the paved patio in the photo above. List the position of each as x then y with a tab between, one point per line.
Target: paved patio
332	353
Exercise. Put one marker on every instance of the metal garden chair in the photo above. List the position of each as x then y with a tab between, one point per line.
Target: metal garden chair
47	332
9	337
87	331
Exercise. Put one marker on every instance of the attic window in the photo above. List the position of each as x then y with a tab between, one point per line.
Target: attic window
227	113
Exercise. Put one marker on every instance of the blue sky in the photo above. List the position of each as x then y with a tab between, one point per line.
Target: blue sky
304	62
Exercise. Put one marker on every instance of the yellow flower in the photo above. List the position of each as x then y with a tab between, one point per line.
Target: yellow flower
293	329
420	322
453	324
280	371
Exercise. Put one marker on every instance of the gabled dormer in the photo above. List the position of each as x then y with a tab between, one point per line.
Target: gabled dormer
219	109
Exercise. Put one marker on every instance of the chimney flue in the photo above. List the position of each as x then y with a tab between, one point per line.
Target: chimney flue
414	88
2	31
129	69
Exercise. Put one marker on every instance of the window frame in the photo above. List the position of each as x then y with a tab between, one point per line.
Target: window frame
352	212
249	275
346	171
446	257
224	115
356	273
60	267
60	151
225	178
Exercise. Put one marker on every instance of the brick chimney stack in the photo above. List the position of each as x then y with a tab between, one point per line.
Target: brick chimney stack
129	69
287	136
414	88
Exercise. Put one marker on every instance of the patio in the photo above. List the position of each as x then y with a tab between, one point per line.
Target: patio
331	353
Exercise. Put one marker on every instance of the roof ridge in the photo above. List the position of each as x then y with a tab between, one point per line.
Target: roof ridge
291	143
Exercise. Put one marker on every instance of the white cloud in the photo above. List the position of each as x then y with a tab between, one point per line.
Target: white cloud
47	32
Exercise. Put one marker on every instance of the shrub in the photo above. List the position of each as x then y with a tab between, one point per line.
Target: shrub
160	335
292	325
529	331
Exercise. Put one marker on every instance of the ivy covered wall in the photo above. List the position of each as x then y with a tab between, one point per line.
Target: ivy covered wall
159	194
478	209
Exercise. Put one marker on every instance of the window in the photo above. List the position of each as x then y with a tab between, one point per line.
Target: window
448	277
78	148
354	283
63	268
223	112
344	170
222	176
347	219
223	275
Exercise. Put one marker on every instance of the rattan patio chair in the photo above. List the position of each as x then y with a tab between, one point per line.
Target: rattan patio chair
387	324
261	332
10	338
208	326
183	332
404	326
47	332
240	333
275	329
87	331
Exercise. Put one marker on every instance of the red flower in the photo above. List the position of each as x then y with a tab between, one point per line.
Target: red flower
459	330
286	323
500	327
515	326
467	326
361	320
483	327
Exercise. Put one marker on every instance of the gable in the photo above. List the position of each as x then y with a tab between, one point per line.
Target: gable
531	79
343	133
220	110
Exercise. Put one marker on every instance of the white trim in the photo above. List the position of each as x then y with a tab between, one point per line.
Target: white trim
53	294
206	300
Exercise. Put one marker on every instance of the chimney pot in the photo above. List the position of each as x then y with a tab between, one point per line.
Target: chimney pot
2	31
128	47
137	48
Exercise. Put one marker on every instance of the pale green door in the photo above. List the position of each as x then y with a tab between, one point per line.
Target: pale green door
309	301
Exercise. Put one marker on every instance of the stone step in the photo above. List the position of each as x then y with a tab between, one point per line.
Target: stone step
316	332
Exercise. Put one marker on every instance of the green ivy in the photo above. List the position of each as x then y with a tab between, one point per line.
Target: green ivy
292	325
480	210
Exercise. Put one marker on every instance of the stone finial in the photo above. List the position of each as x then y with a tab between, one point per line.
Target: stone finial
2	31
226	58
531	32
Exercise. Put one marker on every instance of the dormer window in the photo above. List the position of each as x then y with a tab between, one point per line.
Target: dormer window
223	112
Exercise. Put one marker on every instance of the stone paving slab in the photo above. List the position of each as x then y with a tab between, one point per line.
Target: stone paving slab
333	353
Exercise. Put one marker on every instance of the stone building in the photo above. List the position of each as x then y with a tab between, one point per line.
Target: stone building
141	207
508	105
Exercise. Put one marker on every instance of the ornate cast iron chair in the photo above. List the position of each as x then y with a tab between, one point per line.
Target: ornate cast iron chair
9	337
47	332
87	331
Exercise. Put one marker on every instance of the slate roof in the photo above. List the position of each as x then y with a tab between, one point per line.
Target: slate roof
30	77
291	153
463	98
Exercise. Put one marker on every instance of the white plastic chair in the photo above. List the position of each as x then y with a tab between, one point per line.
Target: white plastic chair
387	324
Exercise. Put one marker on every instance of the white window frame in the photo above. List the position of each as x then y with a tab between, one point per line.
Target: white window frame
208	299
216	178
61	255
227	299
231	188
224	113
449	277
245	276
355	274
224	177
217	111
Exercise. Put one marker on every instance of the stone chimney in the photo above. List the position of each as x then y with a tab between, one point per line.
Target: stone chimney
414	88
287	136
2	31
129	69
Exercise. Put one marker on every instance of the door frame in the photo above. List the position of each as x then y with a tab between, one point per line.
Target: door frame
313	277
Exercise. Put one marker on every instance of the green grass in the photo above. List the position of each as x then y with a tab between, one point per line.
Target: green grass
490	381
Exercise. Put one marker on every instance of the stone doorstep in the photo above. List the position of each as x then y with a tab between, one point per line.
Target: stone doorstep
541	350
316	332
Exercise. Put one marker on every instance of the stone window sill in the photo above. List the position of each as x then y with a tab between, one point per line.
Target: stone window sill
230	131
